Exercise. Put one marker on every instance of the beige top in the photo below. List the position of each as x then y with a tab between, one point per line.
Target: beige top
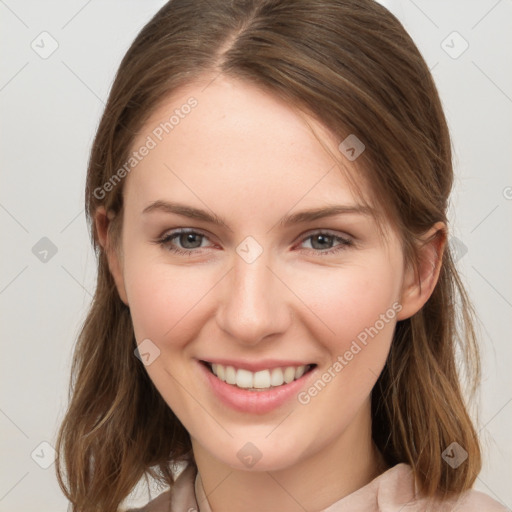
392	491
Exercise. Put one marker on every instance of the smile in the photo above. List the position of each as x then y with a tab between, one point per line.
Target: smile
237	388
260	380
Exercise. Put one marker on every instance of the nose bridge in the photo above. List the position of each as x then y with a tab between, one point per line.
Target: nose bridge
254	301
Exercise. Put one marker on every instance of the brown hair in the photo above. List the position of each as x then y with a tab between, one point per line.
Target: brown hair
351	65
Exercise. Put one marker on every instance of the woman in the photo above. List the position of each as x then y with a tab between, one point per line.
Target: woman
275	304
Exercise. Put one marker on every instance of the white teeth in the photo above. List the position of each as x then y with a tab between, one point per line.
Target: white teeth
230	375
264	379
299	372
289	374
243	378
261	379
277	378
220	372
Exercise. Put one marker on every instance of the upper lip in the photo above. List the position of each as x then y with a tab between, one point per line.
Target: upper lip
255	366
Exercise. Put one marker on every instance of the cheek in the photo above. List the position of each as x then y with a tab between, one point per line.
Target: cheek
355	310
165	298
349	299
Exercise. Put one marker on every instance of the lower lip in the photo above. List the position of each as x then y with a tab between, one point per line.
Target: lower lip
254	402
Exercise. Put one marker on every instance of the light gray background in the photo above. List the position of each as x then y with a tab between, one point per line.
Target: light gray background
50	108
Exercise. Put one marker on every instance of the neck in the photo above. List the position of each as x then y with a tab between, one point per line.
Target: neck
314	482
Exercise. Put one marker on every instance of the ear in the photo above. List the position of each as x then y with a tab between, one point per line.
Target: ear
417	286
102	221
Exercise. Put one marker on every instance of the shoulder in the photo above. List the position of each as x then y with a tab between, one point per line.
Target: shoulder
476	501
396	487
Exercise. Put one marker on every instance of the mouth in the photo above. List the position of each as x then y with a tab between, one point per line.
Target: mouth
260	381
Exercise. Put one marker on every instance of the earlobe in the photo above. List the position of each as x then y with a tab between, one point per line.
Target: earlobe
419	283
102	220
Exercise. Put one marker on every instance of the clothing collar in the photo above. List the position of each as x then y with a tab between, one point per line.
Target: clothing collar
390	490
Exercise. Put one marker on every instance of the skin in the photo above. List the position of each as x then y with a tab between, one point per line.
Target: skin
249	158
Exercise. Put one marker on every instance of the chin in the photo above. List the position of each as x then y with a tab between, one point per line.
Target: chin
260	455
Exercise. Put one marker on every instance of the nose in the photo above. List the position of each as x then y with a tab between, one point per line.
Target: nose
254	303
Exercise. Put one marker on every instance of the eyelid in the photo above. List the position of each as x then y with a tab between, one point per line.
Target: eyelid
180	231
172	233
326	231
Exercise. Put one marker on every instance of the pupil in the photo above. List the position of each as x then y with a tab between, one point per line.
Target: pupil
325	238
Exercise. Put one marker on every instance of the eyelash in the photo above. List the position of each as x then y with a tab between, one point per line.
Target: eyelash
165	240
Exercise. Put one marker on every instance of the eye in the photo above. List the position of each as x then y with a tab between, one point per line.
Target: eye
322	242
188	239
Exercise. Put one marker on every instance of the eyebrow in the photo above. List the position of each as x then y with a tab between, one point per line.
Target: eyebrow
288	220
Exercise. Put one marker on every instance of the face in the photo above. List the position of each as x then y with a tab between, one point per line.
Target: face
249	284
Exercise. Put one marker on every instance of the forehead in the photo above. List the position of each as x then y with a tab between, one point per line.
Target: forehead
227	139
